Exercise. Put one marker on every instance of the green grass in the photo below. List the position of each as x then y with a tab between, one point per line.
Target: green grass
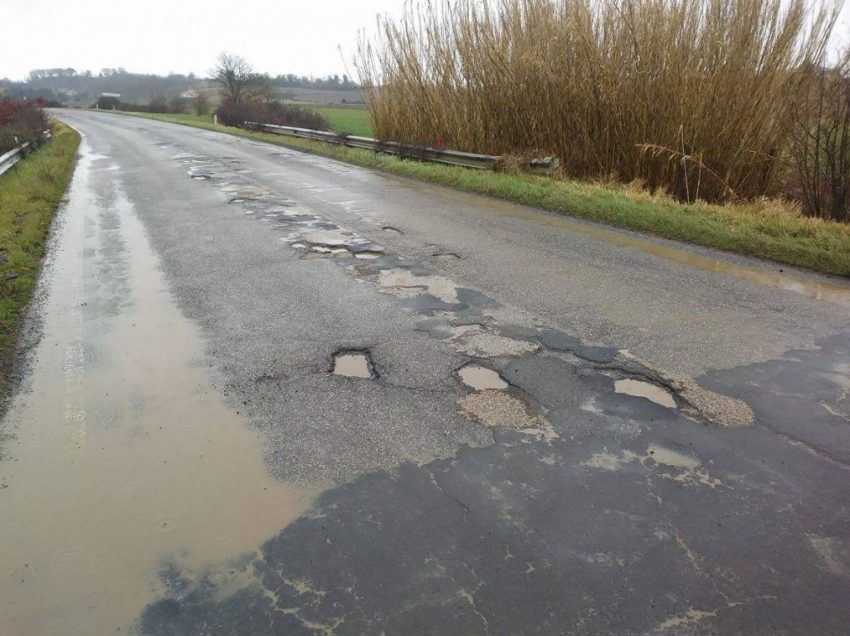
767	229
352	121
29	196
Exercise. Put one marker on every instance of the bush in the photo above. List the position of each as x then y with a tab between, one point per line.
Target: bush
24	120
690	96
232	114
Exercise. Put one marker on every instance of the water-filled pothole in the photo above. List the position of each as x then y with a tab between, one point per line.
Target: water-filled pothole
651	392
352	364
481	378
367	255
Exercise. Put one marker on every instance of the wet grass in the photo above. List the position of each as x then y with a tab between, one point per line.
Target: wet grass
351	121
768	229
29	196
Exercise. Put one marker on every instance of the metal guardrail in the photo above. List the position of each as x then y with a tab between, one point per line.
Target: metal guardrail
16	154
546	165
12	157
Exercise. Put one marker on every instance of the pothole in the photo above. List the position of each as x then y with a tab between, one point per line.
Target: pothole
352	364
646	390
497	409
323	251
446	256
389	229
701	404
367	255
396	280
335	237
481	378
475	341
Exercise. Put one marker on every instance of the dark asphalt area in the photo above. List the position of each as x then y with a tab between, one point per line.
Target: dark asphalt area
560	501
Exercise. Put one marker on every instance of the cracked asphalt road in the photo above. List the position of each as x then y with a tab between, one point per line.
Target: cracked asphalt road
194	466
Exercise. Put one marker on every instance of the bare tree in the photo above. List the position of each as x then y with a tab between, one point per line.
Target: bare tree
235	76
821	141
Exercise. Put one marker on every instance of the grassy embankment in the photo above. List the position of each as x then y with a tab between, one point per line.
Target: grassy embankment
766	229
29	196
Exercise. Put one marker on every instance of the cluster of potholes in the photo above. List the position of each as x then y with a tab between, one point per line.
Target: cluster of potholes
473	323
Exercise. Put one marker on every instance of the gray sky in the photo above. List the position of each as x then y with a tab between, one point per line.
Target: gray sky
158	36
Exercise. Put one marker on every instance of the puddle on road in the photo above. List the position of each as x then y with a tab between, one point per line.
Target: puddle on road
669	457
481	378
125	458
647	390
352	364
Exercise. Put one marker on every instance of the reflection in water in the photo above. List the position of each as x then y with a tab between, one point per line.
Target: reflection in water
125	459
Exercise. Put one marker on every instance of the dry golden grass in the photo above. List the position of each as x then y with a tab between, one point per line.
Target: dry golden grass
690	96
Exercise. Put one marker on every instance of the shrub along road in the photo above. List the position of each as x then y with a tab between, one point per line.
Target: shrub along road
274	393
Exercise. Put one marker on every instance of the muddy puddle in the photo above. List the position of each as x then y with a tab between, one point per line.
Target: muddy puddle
352	364
646	390
124	458
481	378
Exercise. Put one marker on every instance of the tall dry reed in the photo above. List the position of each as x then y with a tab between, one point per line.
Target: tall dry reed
691	96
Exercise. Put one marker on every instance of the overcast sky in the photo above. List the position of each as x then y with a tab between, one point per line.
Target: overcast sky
159	36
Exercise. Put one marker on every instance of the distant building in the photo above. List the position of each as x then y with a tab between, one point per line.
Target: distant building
189	94
108	101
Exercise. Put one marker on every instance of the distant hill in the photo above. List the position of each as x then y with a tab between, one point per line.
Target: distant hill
67	86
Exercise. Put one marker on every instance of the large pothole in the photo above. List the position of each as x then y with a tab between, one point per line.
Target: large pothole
353	364
646	390
481	378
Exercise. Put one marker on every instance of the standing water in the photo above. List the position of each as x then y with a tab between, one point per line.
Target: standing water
124	458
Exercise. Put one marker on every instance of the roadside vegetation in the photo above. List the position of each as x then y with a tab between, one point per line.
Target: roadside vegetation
701	100
763	228
29	195
716	123
20	122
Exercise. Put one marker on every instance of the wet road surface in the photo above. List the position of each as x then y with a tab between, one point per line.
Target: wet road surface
266	392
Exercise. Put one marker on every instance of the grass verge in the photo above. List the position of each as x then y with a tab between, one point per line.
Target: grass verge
29	196
768	229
